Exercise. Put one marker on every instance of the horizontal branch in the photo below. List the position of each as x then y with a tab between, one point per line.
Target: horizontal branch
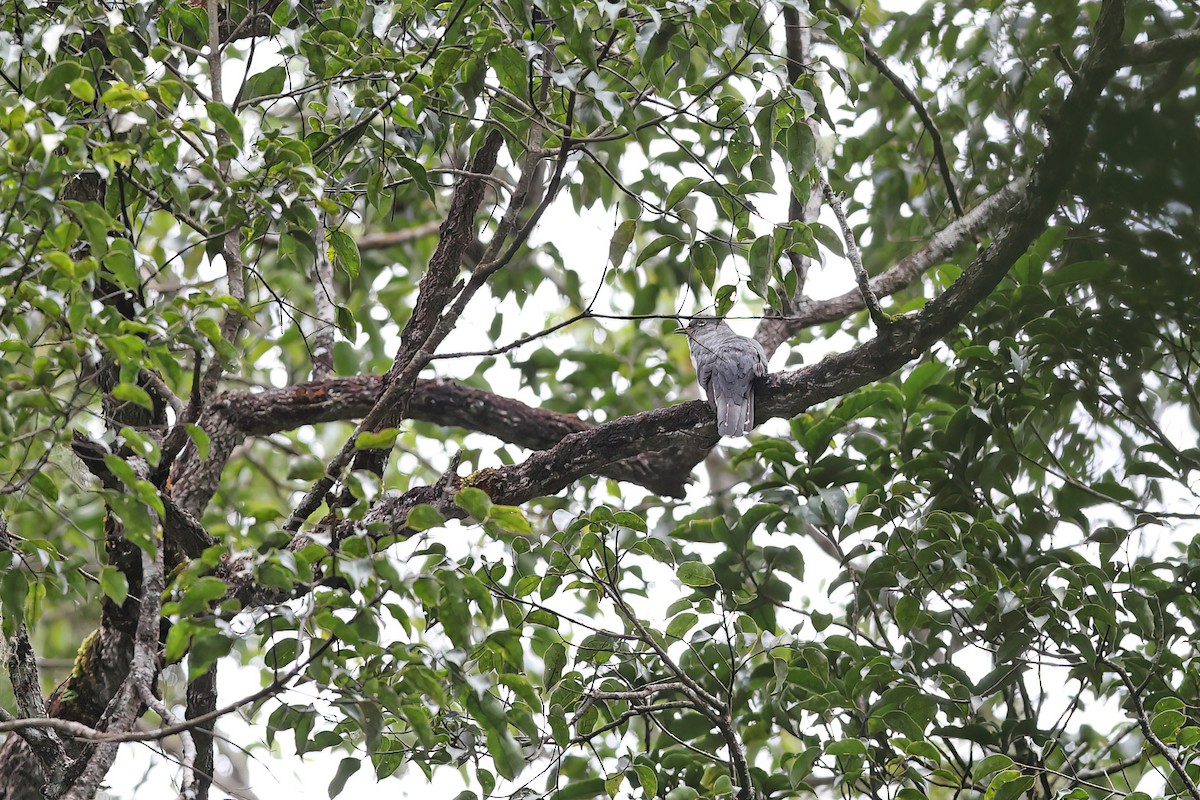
234	416
1181	45
548	472
385	239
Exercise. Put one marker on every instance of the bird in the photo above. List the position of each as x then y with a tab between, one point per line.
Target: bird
726	366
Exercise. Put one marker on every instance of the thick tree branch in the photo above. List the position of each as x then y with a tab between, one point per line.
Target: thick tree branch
787	394
436	290
234	416
323	304
1170	48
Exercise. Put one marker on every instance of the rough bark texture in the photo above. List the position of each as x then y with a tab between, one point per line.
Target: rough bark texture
234	416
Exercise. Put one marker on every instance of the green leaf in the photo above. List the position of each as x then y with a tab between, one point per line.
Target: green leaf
647	779
906	611
847	747
555	660
228	122
511	519
725	299
199	438
704	261
585	789
1014	789
695	573
268	82
419	175
681	624
621	240
345	252
475	502
680	191
198	597
282	654
114	584
1079	272
802	149
346	768
505	752
58	78
381	440
760	265
1002	778
121	95
1166	723
993	763
132	393
346	322
627	519
83	89
423	517
656	247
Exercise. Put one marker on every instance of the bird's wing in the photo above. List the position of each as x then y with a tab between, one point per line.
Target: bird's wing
760	364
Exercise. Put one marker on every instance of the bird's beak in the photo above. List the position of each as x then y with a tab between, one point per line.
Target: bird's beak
680	329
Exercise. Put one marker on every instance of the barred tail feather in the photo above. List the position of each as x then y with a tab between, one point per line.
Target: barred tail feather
735	417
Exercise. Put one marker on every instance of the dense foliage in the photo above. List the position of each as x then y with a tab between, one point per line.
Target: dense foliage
305	331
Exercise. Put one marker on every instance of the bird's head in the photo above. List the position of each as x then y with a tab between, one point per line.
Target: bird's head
698	326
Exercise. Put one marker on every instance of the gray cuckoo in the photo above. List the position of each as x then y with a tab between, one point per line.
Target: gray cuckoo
726	366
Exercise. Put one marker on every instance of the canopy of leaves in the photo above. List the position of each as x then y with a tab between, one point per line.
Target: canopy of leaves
304	321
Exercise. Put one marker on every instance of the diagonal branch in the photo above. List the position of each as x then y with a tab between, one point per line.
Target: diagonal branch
935	136
417	350
860	272
786	394
435	292
235	416
986	216
1158	744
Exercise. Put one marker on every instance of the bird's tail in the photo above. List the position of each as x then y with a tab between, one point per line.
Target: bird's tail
735	415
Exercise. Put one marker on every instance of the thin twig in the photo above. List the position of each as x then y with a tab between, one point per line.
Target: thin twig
187	789
935	136
1067	66
513	345
880	319
1144	723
